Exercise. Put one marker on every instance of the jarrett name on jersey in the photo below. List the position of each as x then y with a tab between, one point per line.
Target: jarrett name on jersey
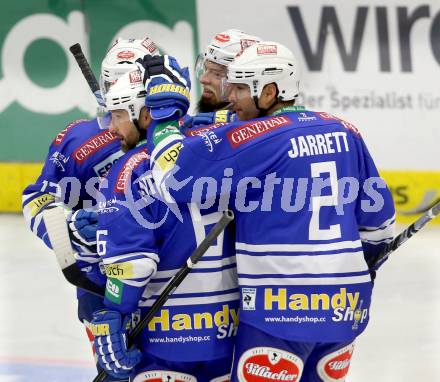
310	209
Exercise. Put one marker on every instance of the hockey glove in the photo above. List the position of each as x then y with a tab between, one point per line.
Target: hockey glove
82	230
167	85
220	116
111	343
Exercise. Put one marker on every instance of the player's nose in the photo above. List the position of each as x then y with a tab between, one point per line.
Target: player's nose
112	127
204	79
231	95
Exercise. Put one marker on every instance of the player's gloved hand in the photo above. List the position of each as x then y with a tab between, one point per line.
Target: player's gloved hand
82	230
167	85
185	122
110	342
220	116
374	265
372	252
92	267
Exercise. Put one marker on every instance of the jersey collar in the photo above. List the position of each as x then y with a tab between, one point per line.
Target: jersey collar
289	109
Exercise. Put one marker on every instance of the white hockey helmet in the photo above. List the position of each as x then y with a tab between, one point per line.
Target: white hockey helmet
264	63
223	48
127	93
121	57
226	45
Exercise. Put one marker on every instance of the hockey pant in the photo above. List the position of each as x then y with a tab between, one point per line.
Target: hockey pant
260	357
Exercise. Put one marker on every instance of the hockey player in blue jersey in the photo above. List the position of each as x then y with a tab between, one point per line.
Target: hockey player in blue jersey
310	209
143	246
78	157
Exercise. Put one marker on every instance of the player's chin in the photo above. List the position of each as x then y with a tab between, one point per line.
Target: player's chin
209	98
125	146
129	145
241	116
239	113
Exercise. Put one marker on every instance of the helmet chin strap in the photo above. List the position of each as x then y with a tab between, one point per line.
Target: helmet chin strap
262	112
142	132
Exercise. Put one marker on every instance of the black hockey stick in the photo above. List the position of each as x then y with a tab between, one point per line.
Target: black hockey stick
406	234
56	226
87	72
177	279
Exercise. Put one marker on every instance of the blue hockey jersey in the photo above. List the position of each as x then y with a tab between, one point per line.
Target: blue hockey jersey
78	157
310	208
143	244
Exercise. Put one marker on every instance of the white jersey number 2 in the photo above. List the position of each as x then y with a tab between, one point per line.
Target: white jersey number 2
334	231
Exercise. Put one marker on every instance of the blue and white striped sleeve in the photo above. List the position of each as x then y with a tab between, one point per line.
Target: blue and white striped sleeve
375	211
128	251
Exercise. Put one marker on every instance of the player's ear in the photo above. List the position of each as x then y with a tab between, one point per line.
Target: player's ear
268	95
145	118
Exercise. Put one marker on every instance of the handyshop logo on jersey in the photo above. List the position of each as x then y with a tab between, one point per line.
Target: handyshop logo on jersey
334	366
269	364
225	320
346	306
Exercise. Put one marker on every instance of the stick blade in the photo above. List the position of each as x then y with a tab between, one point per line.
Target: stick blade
56	227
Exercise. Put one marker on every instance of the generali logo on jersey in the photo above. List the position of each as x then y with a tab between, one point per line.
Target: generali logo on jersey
269	364
246	133
347	125
128	168
326	116
350	127
334	366
92	145
59	138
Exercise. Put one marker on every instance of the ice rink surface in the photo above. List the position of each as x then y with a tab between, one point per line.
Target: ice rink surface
42	341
